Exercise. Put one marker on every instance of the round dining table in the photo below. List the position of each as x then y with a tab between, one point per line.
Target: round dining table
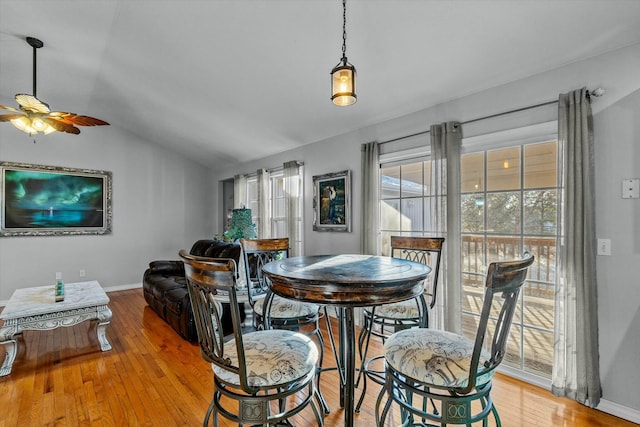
347	281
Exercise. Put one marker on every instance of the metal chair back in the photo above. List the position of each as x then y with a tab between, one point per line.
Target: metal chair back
426	250
503	284
207	280
257	253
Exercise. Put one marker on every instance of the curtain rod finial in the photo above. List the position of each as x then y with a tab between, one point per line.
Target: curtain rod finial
597	92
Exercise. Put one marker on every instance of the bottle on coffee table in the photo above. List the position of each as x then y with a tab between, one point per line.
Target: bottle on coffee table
59	290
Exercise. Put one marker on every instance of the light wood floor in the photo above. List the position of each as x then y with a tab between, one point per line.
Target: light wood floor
152	377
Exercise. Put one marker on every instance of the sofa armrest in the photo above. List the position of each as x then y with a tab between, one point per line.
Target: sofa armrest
167	267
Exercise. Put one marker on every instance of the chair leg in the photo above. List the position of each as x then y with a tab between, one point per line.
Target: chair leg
381	417
361	399
318	333
205	423
363	349
316	406
365	332
494	411
495	414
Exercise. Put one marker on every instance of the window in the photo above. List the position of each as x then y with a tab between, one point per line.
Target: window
252	199
405	200
277	202
278	205
509	204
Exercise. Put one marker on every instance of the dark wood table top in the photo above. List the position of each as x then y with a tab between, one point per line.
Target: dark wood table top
347	280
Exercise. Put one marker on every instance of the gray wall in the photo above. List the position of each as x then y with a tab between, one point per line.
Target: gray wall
617	134
617	129
161	203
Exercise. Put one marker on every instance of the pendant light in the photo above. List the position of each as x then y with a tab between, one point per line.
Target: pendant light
343	75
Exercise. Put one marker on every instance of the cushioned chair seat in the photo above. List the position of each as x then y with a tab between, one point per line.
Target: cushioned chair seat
434	357
282	308
402	310
274	358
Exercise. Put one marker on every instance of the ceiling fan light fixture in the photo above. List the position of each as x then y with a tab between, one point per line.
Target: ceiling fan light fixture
343	75
38	124
32	124
24	124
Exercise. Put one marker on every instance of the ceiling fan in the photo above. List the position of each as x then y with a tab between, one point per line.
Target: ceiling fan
34	116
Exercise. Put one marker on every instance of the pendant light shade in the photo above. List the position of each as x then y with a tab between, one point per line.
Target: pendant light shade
343	75
343	85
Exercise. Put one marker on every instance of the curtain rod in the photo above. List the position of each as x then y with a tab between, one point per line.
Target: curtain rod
598	92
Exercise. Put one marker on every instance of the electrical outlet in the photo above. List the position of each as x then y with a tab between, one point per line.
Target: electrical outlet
631	188
604	247
59	275
82	273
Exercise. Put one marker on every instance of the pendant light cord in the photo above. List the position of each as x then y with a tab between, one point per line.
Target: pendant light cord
344	32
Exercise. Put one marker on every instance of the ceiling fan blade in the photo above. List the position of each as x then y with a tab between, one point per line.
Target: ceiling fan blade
32	104
76	119
61	126
8	117
9	108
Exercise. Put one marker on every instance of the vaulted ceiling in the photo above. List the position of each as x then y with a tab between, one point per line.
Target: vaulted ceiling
225	81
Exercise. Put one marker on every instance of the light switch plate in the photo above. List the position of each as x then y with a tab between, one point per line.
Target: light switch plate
604	247
631	188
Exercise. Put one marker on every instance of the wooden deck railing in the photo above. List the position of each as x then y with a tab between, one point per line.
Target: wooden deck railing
535	322
542	274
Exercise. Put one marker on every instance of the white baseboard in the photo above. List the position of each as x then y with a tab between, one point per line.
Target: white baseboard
619	411
123	287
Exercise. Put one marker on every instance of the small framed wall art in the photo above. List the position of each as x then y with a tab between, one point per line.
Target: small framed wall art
332	202
41	200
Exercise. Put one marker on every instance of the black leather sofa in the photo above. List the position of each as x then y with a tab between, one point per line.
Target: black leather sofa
165	287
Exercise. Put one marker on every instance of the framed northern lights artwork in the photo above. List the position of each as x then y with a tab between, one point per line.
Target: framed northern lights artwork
41	200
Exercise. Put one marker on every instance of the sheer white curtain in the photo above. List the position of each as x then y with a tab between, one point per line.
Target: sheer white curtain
239	191
369	238
264	225
293	205
239	201
576	372
446	140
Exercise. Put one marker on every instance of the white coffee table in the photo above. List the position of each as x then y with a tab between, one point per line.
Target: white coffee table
36	309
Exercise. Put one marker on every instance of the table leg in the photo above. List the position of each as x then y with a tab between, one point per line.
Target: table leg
7	339
341	361
350	355
104	318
